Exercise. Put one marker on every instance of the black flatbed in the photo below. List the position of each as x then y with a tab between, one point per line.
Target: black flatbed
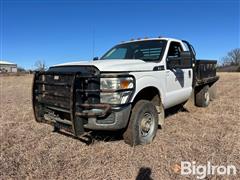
205	72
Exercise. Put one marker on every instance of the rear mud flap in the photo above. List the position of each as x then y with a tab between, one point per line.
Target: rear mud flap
191	101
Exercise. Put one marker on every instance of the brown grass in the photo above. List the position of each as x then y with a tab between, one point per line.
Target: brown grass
32	150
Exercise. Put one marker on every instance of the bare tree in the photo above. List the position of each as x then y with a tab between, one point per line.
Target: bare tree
232	58
40	65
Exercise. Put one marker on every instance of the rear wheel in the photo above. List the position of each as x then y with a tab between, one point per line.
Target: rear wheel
143	124
213	92
203	97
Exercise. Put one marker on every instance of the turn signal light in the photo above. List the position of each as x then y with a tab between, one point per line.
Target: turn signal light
124	84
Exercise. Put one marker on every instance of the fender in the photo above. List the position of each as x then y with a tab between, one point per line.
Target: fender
148	81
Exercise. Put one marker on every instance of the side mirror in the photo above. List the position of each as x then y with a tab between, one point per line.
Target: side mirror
184	61
95	58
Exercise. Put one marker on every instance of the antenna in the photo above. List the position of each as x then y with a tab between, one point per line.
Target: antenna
93	41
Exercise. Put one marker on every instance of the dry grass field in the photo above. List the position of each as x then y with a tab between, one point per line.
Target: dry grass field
33	151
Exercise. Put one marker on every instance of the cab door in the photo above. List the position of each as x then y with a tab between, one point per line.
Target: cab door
178	75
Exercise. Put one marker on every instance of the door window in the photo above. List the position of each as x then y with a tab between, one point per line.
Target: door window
175	49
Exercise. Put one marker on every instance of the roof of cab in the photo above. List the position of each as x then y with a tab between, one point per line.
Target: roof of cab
148	39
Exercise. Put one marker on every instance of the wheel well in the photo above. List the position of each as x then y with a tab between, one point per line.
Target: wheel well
149	93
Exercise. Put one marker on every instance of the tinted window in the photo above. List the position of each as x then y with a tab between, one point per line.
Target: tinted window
174	49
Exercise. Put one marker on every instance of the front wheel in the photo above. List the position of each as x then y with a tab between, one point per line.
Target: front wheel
143	124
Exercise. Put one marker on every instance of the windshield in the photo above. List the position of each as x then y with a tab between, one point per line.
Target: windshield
150	50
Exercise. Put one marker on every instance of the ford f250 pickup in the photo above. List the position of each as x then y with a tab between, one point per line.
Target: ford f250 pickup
128	88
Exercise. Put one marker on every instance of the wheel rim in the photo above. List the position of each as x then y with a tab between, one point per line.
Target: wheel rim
147	125
207	97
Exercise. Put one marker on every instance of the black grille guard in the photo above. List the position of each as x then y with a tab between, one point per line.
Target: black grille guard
76	94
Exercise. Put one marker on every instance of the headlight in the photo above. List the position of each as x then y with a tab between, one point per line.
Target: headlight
125	85
116	83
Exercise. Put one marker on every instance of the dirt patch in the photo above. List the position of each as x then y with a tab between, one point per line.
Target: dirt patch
32	150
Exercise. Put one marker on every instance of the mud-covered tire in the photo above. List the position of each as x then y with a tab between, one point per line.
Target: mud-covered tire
203	97
213	92
140	130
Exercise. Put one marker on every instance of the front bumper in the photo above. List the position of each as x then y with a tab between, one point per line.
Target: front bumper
117	119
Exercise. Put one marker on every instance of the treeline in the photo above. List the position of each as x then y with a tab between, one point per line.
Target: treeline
231	62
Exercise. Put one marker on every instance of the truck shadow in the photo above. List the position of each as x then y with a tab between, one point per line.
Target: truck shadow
174	110
93	136
108	136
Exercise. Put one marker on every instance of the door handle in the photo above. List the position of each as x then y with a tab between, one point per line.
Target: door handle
189	74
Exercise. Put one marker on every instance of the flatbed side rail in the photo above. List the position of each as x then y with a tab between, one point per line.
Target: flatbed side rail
209	80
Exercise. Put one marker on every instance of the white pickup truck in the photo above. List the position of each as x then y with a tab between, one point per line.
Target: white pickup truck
128	88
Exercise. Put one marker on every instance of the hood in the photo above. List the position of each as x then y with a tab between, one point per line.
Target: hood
115	65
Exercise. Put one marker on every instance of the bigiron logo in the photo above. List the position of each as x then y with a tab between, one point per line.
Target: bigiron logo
201	171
